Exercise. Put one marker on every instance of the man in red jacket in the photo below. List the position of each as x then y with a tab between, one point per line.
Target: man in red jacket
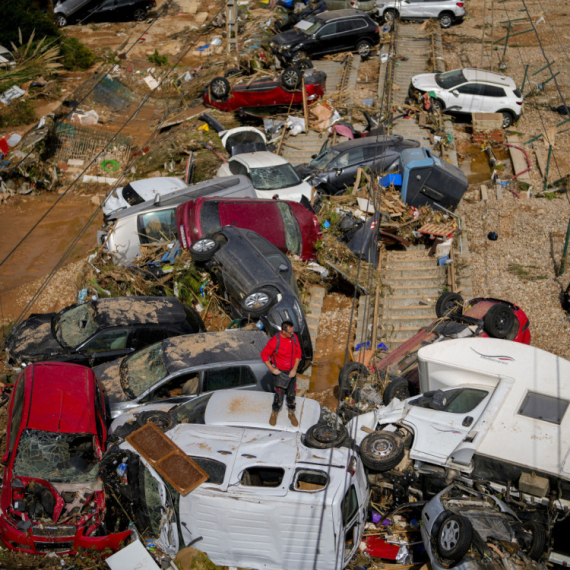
282	355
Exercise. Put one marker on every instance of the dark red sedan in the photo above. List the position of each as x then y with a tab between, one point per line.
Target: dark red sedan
266	92
288	225
52	498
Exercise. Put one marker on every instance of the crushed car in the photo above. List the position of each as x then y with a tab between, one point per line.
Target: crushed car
100	330
52	498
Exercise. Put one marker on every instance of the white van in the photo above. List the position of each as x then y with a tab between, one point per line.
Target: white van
270	501
491	409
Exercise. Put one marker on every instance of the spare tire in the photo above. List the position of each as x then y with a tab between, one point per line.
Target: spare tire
325	436
349	376
162	420
499	321
397	387
219	88
382	450
291	78
449	302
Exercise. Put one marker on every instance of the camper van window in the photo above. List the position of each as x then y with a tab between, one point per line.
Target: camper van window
349	506
457	401
215	469
309	480
262	477
544	408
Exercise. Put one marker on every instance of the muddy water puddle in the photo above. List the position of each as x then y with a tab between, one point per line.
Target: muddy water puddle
476	164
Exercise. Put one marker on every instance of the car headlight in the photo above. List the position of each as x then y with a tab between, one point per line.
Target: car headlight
285	47
299	313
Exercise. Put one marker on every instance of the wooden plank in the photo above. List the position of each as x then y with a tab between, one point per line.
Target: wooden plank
484	193
305	108
499	191
540	158
518	159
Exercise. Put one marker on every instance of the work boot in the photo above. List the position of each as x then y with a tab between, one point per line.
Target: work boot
273	419
293	418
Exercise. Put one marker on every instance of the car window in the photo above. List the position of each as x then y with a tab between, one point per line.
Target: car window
262	477
142	370
144	336
324	158
493	91
227	377
328	30
182	385
358	24
349	506
193	412
309	26
17	409
237	167
293	239
546	408
344	26
75	326
109	340
131	196
277	260
210	216
349	158
450	79
152	501
457	400
471	89
274	177
309	480
216	470
157	227
108	3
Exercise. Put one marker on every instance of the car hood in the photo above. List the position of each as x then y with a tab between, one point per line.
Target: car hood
425	82
359	427
293	193
114	201
109	374
33	339
289	37
304	170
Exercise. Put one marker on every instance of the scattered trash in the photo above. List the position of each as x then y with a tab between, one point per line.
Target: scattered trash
493	236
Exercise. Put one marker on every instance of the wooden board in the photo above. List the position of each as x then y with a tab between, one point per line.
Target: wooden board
167	458
437	230
518	159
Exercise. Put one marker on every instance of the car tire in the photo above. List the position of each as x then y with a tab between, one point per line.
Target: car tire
291	78
325	436
139	15
219	88
390	15
382	450
499	321
454	538
397	387
258	302
204	249
363	48
303	64
437	105
162	420
350	374
445	20
297	57
508	119
449	302
537	545
61	21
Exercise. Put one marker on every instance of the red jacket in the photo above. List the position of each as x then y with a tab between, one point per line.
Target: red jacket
284	358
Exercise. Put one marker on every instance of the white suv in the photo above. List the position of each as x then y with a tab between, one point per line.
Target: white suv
446	11
470	91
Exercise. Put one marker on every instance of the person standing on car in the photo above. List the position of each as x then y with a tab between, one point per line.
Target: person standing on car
282	355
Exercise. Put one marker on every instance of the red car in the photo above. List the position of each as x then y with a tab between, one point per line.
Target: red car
266	92
52	499
288	225
481	317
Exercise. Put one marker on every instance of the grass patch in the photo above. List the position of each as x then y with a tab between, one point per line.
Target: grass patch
18	113
525	272
158	59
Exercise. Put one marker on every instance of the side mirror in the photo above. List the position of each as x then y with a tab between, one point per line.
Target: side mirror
438	401
156	199
338	171
313	156
455	92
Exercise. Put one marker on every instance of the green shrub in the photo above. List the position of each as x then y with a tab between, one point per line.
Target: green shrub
74	55
18	113
157	59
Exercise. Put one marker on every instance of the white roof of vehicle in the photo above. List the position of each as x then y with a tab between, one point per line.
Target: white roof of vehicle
159	184
261	159
489	76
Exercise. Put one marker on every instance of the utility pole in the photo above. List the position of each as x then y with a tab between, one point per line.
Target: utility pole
492	30
232	26
484	20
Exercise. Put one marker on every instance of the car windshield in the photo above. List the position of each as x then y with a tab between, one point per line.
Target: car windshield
142	370
193	412
274	177
450	79
326	156
293	239
131	196
56	457
75	326
309	26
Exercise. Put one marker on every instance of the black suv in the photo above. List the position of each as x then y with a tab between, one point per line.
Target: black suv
257	279
335	167
99	331
329	32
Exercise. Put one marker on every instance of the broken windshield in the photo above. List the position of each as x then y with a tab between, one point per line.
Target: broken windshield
142	370
274	177
193	412
324	158
75	326
293	239
56	457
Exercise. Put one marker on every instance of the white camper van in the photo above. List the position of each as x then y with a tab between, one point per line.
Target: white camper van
270	501
492	409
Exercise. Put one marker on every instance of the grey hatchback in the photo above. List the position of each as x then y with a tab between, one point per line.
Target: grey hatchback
178	369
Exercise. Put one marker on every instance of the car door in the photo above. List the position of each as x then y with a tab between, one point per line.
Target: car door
430	8
409	8
106	345
345	167
493	98
326	39
465	98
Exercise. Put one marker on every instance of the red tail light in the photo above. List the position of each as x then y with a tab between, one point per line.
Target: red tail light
461	4
519	102
377	30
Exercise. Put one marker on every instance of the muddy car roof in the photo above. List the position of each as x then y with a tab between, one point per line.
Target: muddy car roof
118	311
199	349
58	397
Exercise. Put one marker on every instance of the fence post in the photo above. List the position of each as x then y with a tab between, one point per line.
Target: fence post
547	167
563	262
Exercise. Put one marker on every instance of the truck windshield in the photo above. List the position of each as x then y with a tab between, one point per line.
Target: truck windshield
142	370
75	326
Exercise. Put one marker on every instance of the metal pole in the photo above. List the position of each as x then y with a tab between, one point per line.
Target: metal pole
507	41
524	78
484	30
547	168
565	250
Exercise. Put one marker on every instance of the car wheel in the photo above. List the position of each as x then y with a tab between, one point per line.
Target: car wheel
437	105
258	302
508	119
499	321
449	302
537	544
162	420
303	64
204	249
219	88
291	78
61	21
445	20
363	48
139	15
325	436
397	387
350	376
382	451
454	537
298	56
390	15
